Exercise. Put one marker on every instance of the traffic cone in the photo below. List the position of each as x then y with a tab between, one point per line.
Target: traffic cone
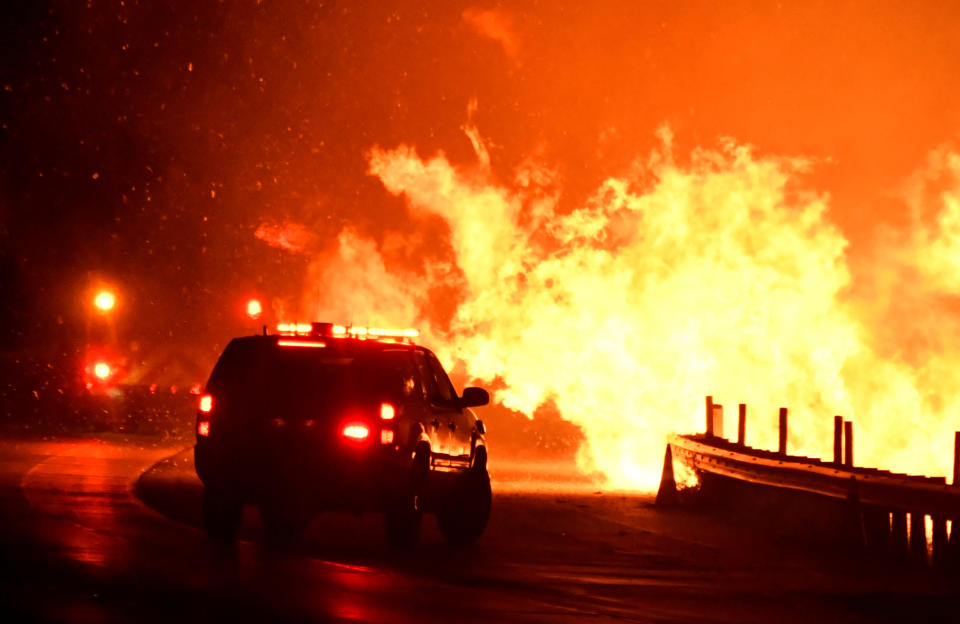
667	494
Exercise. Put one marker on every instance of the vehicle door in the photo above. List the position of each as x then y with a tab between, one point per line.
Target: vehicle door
445	427
460	433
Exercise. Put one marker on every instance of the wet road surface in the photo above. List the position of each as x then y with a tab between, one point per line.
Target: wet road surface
79	544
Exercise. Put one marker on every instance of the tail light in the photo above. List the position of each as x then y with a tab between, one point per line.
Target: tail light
387	411
386	436
205	404
356	431
203	428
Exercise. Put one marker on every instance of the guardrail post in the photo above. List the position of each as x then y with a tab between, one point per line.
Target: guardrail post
717	420
940	556
709	415
853	526
667	494
918	537
876	526
838	440
899	542
742	425
782	449
848	446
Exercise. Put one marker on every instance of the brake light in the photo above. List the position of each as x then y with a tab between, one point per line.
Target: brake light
203	428
387	411
205	404
386	436
301	343
356	432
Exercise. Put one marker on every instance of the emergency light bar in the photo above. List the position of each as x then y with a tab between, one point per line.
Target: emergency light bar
344	331
295	328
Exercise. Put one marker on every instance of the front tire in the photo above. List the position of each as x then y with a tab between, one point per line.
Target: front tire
221	515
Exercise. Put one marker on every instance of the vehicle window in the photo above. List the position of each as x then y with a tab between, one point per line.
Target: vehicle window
444	388
395	374
252	372
426	375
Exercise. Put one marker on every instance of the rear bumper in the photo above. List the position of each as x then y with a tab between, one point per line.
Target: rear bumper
321	480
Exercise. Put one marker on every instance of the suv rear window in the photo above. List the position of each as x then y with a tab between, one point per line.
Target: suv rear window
252	372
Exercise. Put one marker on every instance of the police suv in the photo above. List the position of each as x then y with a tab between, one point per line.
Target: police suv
331	417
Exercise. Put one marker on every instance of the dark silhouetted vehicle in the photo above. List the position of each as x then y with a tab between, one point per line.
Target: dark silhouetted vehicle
327	417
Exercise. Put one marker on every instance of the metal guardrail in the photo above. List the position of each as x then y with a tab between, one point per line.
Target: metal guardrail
879	500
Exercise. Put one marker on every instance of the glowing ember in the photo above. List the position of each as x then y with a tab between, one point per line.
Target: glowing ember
289	236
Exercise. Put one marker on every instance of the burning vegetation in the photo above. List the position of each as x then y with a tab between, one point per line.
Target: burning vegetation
717	271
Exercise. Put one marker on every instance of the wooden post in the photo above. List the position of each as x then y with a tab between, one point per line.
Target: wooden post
709	416
899	543
848	446
876	526
717	420
918	538
941	557
742	425
783	431
838	440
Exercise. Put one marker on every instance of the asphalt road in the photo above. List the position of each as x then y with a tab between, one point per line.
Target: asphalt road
79	544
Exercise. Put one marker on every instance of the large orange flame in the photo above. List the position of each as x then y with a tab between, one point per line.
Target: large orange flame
718	275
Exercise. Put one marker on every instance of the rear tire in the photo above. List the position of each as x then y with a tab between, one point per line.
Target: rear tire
463	516
403	514
221	515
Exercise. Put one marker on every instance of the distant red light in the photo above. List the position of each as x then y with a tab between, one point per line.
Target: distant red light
205	404
203	428
102	371
356	432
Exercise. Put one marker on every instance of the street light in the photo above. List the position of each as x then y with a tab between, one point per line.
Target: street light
105	301
254	309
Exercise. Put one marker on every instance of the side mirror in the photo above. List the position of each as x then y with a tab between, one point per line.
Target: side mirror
481	428
473	397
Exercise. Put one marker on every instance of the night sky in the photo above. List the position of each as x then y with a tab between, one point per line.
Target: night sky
144	143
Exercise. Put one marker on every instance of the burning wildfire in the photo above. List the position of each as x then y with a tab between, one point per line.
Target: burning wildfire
715	274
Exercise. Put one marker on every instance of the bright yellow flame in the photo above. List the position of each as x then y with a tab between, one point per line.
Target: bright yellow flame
105	300
716	276
254	309
102	371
